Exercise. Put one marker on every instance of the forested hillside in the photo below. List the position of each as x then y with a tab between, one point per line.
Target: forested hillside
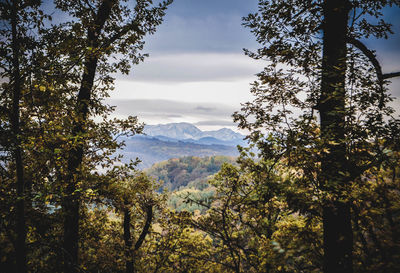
188	180
187	171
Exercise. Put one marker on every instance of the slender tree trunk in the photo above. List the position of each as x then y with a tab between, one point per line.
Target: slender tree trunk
128	241
15	123
338	238
129	250
71	200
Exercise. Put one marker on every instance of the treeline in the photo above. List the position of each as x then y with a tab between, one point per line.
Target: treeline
323	194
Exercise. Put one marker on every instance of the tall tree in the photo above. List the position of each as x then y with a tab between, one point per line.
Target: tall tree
15	124
133	197
20	22
338	235
318	63
105	28
69	77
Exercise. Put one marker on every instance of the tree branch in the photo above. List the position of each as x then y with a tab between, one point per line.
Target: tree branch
391	75
374	61
122	32
145	231
369	54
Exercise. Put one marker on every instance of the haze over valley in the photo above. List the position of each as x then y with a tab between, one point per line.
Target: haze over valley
165	141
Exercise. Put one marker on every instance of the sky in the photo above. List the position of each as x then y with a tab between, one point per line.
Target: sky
197	71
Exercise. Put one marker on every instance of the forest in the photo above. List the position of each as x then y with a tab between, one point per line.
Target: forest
317	190
187	171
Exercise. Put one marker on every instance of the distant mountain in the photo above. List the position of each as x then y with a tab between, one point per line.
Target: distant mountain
174	130
152	149
174	140
212	140
184	131
224	134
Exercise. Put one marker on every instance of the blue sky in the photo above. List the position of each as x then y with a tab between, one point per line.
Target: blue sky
204	26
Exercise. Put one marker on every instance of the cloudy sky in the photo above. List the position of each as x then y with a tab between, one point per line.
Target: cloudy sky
197	71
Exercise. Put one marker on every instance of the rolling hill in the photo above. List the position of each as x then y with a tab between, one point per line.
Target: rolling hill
189	171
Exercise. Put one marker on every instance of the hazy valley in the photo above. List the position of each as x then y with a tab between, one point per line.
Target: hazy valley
175	140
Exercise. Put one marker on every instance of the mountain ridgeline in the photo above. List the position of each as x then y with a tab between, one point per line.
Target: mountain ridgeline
174	140
187	131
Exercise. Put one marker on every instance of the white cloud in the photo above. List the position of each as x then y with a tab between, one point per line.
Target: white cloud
199	88
194	67
155	111
232	93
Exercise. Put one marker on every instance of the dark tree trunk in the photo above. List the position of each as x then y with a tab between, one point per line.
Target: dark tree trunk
15	123
338	239
71	200
128	241
129	251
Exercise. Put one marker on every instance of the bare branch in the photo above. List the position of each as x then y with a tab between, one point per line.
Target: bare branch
369	54
374	61
391	75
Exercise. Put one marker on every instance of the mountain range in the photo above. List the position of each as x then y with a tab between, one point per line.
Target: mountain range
187	131
174	140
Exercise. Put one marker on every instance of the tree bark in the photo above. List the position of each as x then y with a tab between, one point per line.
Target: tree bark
17	151
128	241
71	202
129	251
338	238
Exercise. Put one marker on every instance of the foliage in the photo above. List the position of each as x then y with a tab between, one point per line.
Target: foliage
251	224
321	109
66	138
189	199
67	203
376	219
191	170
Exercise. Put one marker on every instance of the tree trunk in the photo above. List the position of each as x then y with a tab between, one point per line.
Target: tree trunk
338	239
129	251
128	241
15	123
71	200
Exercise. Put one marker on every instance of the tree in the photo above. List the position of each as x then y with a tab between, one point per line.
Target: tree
16	82
102	29
20	20
250	222
338	236
135	196
318	63
66	76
